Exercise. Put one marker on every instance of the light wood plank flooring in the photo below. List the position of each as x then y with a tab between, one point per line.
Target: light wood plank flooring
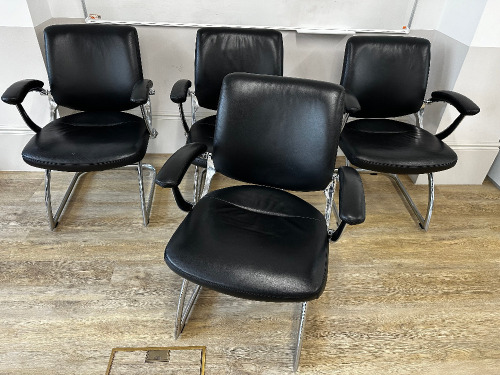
398	300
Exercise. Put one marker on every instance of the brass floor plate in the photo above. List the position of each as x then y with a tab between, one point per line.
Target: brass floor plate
157	360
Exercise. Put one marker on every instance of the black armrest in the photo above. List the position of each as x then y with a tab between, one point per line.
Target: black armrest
140	92
351	104
351	200
462	103
174	169
172	172
180	90
351	196
16	93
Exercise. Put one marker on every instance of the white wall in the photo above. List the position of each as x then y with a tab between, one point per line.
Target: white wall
464	68
66	8
168	55
21	59
39	11
486	46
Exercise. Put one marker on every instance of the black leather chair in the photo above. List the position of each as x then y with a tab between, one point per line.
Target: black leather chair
260	242
95	69
220	51
388	76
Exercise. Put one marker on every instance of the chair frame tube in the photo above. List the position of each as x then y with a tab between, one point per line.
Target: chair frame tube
184	311
300	335
147	116
422	222
54	219
183	314
145	205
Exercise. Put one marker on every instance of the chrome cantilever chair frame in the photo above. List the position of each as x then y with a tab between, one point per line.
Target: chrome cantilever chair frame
145	205
190	252
423	222
184	310
397	88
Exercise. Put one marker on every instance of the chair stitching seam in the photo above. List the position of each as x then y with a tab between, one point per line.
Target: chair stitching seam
114	124
264	212
405	167
55	163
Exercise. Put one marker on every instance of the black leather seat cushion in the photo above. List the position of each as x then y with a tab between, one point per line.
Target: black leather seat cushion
253	242
202	131
394	147
88	141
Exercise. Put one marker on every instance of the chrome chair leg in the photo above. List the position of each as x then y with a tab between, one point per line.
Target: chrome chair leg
209	174
199	180
146	206
195	183
423	222
300	334
54	219
329	191
183	313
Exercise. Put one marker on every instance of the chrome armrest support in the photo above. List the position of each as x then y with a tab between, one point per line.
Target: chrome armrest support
53	106
194	106
148	118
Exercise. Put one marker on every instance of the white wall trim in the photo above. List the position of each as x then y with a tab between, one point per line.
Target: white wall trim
171	137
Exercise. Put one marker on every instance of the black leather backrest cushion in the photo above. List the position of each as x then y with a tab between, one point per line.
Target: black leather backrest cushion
220	51
93	67
387	74
278	131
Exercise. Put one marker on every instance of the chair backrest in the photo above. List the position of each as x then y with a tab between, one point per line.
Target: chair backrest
222	50
278	131
387	74
93	67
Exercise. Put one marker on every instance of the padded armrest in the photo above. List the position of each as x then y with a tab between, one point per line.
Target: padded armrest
351	104
140	92
180	90
172	172
16	93
462	103
351	196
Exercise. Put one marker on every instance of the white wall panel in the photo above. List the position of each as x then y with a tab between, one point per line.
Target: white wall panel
23	61
39	10
15	13
67	8
460	19
488	32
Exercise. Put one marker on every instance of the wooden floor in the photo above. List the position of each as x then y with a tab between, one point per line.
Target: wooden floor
398	300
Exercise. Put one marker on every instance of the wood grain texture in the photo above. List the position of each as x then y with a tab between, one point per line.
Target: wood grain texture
398	300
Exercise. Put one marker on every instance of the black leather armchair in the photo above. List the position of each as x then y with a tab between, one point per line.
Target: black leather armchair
220	51
260	242
388	76
95	69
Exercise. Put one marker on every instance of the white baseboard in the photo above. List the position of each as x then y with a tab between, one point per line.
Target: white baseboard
13	138
474	162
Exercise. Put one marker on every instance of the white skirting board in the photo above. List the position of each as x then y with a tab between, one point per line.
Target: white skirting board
474	160
13	138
